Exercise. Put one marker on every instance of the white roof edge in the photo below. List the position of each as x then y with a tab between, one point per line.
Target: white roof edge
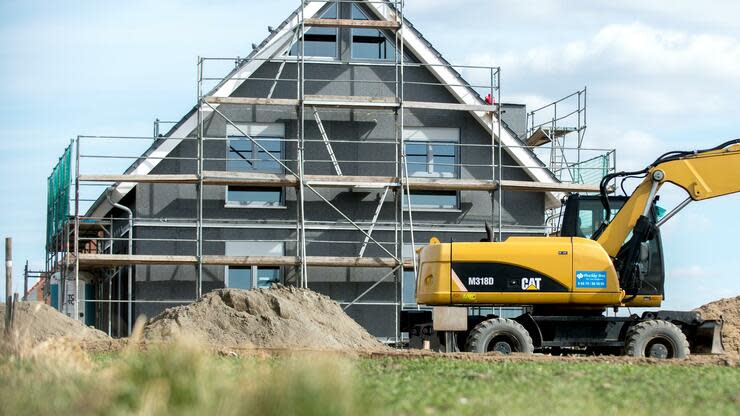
224	90
420	48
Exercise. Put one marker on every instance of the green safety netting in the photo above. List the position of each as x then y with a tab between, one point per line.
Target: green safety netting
57	196
590	171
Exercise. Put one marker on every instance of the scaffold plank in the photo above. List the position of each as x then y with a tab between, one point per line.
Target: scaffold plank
248	179
94	259
331	181
174	178
314	261
351	101
444	184
108	260
448	106
524	186
367	24
251	101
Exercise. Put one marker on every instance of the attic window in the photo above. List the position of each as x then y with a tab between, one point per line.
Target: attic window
370	43
319	41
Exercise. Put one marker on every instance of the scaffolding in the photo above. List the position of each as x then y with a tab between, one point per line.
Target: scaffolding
86	241
552	128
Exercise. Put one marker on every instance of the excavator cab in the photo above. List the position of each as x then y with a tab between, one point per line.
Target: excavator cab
583	217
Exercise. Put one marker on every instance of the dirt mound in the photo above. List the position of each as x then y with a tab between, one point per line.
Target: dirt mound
279	317
729	310
36	322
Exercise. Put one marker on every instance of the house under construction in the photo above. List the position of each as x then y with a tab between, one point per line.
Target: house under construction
342	143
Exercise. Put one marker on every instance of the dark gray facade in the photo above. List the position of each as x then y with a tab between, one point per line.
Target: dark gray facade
365	143
166	201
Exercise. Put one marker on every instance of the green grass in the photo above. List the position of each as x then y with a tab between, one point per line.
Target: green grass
186	380
443	386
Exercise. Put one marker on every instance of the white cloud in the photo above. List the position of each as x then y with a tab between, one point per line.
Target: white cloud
643	68
635	48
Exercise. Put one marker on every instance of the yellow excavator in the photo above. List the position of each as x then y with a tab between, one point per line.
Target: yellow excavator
608	255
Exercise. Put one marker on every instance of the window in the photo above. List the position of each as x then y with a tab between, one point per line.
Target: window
409	287
586	224
370	43
244	155
431	159
249	277
266	276
408	297
255	196
242	277
432	152
432	200
239	278
319	41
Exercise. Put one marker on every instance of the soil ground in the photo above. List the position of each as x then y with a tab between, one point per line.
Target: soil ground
279	317
36	322
286	321
728	310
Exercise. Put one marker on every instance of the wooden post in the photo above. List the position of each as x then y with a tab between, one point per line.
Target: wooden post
8	283
13	308
24	297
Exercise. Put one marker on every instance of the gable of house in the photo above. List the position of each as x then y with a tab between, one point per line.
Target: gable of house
281	42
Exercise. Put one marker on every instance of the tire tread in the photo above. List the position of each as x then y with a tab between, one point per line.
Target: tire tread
481	330
637	332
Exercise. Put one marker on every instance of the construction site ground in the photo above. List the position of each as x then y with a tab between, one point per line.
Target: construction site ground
232	349
184	378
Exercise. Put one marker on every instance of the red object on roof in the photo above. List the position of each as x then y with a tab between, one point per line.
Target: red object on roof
490	100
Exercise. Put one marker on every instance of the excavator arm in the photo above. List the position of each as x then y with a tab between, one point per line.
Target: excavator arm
702	174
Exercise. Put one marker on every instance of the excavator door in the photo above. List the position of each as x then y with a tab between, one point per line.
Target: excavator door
582	217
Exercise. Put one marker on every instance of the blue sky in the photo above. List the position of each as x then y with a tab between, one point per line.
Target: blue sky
662	75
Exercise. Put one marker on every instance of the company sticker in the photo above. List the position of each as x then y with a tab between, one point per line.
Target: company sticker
591	280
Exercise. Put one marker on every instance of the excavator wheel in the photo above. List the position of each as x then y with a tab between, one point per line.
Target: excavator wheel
500	335
656	339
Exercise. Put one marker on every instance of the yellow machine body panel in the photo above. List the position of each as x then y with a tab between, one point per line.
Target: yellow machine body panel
519	271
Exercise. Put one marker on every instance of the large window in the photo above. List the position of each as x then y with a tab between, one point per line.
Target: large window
370	43
432	152
320	41
250	277
431	159
244	155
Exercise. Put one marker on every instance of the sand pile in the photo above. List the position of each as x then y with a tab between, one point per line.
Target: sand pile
36	322
729	310
280	317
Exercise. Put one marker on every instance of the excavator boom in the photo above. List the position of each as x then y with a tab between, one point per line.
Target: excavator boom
703	175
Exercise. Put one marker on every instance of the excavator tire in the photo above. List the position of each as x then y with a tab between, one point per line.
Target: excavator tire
500	335
656	339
